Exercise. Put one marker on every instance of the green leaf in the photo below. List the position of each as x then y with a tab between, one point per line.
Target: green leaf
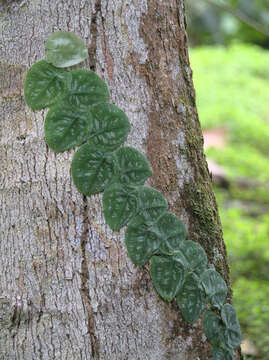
92	170
215	287
144	238
232	333
65	49
172	232
119	204
192	256
191	298
141	241
167	276
66	127
212	328
86	89
151	204
133	167
110	126
219	353
45	85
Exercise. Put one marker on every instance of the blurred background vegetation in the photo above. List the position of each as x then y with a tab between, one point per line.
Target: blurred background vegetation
230	62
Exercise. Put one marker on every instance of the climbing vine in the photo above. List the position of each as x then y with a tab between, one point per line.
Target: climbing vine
80	114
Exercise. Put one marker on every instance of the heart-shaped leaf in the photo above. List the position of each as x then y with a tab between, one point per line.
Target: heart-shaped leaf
219	353
86	89
172	232
110	126
192	256
191	298
65	49
212	328
92	170
119	204
133	167
144	238
151	204
167	276
45	85
215	287
141	241
232	333
66	127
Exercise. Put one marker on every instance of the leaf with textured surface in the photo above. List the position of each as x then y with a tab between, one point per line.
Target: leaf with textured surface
45	85
215	287
219	353
141	241
119	204
191	298
151	203
192	256
110	126
66	127
172	232
65	49
86	89
92	170
167	276
212	328
133	167
232	333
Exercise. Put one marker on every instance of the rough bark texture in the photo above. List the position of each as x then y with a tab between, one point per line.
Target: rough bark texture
67	287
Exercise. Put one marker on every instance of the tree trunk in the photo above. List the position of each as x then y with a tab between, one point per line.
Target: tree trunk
68	289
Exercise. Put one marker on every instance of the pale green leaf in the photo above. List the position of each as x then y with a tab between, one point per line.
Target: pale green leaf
65	49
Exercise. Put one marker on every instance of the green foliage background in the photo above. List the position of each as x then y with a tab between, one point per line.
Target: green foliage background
232	87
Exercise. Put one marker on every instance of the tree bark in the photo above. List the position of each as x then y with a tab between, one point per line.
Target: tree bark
67	287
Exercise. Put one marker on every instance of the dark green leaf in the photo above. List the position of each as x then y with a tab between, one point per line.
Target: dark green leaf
192	256
219	353
141	241
144	236
92	170
172	232
213	328
151	204
191	298
110	126
66	127
134	168
232	334
65	49
167	276
119	204
86	88
215	287
45	85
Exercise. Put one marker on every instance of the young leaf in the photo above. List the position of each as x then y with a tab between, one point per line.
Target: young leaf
92	170
172	232
86	89
66	127
215	287
141	241
110	127
151	203
65	49
192	256
232	333
219	353
119	204
212	328
167	276
134	168
191	298
45	85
